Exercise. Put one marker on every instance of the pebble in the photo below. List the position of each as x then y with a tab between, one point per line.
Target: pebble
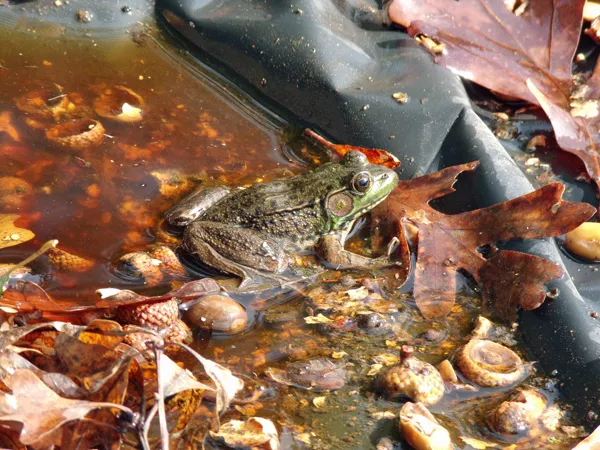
584	241
84	16
219	313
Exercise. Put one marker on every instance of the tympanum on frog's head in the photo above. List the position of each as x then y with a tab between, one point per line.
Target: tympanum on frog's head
363	186
252	231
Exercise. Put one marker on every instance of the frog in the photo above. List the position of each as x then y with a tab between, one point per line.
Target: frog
253	233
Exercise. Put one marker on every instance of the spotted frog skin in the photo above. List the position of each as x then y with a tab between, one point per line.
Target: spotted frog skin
253	232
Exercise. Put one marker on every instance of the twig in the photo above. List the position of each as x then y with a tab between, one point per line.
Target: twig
58	96
160	398
146	427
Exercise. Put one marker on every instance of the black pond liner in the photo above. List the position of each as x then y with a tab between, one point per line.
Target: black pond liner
333	68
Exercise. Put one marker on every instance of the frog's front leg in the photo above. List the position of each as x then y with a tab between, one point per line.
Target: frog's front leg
195	204
331	249
235	250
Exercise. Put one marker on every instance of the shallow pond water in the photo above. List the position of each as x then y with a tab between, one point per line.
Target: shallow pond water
196	130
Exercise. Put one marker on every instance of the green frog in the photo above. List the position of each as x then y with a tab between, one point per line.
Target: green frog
253	232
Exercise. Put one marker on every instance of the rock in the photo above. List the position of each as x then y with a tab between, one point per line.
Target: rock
217	312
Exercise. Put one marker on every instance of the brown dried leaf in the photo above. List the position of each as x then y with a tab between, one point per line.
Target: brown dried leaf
107	333
576	134
254	433
525	53
185	403
513	279
490	44
10	234
227	384
28	297
374	155
449	243
39	409
176	379
114	297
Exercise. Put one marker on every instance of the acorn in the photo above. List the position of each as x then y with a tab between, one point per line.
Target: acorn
140	266
119	103
520	413
490	364
64	261
76	135
155	315
177	332
422	430
170	263
411	378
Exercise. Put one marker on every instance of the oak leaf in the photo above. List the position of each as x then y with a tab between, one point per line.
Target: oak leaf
524	52
41	410
451	243
576	124
501	47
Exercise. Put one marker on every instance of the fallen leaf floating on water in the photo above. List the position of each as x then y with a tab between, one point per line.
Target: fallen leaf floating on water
111	297
449	243
40	410
10	234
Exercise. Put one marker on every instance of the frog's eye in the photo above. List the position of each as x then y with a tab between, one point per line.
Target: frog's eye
361	182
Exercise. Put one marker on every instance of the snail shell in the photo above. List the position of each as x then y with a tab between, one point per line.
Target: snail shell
489	364
520	413
421	430
412	378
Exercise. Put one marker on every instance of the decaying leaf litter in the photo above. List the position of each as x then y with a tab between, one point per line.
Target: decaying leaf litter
523	50
99	384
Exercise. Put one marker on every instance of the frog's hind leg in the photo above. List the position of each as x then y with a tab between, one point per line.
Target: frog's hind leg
238	251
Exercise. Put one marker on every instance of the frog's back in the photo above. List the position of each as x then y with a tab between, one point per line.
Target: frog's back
290	208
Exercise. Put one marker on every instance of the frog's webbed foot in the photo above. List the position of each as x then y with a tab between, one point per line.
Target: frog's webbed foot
245	253
332	251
